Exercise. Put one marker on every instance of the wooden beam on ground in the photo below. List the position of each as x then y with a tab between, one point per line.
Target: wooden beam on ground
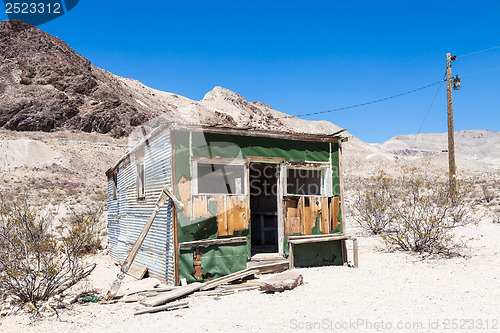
213	241
137	271
162	308
272	268
229	278
173	294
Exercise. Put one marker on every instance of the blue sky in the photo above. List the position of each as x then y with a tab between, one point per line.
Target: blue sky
302	57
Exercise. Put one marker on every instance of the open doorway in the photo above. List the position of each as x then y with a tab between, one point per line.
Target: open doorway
264	207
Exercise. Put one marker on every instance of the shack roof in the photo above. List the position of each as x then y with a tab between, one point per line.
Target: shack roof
231	130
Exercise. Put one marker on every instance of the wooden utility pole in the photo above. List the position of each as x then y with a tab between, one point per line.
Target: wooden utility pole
451	134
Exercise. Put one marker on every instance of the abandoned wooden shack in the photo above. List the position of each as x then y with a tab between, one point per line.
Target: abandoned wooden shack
246	195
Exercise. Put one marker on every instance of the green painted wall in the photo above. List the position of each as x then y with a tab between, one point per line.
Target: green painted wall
225	259
318	254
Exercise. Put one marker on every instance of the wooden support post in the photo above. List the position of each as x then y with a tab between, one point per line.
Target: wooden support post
451	133
355	252
290	255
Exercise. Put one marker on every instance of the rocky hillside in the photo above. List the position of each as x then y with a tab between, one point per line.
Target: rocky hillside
63	122
45	86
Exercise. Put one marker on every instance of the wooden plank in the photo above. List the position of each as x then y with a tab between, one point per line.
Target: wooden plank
344	251
176	240
265	134
184	186
162	308
292	226
137	271
236	211
341	180
334	208
325	216
197	264
315	211
302	215
307	216
200	206
230	278
241	286
213	293
291	256
174	294
292	218
339	236
316	240
213	241
265	159
222	216
355	252
272	268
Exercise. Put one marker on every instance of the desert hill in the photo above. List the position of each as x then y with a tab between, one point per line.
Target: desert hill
45	86
63	121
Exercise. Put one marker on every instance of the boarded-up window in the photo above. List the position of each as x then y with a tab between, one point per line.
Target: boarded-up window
141	181
220	178
305	181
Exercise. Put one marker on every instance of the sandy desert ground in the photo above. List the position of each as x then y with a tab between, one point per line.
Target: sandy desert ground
388	292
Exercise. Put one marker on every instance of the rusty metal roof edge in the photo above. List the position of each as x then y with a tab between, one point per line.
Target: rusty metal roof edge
219	128
256	131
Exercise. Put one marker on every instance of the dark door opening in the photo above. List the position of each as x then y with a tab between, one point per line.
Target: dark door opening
264	207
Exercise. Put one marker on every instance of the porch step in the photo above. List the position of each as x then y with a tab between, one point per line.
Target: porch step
265	258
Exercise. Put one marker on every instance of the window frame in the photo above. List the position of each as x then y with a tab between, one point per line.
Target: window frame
195	161
326	177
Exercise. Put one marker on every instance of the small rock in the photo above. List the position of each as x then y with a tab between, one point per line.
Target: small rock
287	280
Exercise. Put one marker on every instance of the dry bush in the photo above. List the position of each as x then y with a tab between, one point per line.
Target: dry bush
415	212
488	193
38	261
496	216
86	224
373	205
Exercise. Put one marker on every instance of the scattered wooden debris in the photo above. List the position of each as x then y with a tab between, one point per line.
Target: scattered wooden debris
162	308
284	281
217	292
217	287
272	268
173	294
229	278
137	271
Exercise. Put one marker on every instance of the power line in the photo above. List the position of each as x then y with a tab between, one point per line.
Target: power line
430	107
367	103
468	54
485	71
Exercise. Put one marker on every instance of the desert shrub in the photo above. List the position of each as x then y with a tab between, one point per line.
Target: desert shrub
36	259
85	225
488	193
416	211
496	216
373	205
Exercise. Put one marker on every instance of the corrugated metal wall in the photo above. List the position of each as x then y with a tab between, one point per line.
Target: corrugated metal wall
127	215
